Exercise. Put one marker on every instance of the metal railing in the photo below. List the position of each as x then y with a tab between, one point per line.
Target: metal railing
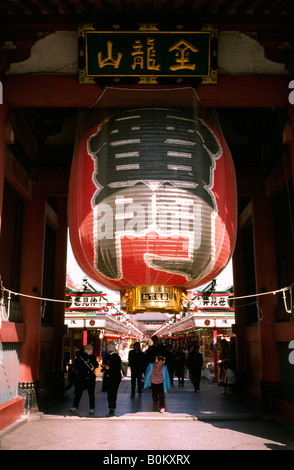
9	368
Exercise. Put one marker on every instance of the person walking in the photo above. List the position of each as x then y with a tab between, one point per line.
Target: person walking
230	377
155	350
136	361
124	355
170	363
223	357
84	368
112	375
194	364
157	377
180	361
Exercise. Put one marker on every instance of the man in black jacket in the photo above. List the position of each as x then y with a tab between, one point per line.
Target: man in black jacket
85	379
112	375
194	364
137	365
157	349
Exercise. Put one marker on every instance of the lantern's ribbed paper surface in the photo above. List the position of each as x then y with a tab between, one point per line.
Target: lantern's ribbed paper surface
152	200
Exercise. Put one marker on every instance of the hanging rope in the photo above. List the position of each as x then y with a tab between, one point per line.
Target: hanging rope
288	310
4	315
273	292
283	290
35	297
259	308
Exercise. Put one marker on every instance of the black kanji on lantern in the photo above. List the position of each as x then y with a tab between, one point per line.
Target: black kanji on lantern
158	158
144	145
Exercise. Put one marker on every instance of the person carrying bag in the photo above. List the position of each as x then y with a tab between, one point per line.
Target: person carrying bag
85	368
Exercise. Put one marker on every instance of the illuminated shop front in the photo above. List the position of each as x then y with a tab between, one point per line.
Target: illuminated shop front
213	318
91	318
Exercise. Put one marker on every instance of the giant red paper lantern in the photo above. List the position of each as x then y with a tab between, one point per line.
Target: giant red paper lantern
152	200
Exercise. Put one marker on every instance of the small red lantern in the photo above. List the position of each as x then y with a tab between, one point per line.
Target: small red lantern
152	201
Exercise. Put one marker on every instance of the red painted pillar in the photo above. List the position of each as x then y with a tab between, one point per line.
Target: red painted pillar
242	344
266	281
31	280
215	355
85	337
3	118
60	282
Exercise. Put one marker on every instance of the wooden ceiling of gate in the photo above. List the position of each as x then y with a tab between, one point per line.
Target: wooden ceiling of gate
21	21
167	10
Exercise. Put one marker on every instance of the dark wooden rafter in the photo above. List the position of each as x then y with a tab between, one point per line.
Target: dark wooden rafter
214	5
10	7
229	6
195	4
99	5
80	5
176	4
264	7
271	6
196	7
248	5
63	6
157	5
281	7
47	6
118	5
137	5
29	6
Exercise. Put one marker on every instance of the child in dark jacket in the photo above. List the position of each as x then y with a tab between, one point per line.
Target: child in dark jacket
157	377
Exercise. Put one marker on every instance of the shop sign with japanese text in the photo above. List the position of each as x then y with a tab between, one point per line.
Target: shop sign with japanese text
86	302
147	55
213	301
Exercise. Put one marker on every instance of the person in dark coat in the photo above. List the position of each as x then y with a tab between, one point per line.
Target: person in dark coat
223	357
194	364
112	375
180	362
137	364
230	377
157	349
170	363
83	369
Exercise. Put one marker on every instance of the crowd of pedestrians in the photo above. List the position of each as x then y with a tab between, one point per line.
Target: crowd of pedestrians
156	367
